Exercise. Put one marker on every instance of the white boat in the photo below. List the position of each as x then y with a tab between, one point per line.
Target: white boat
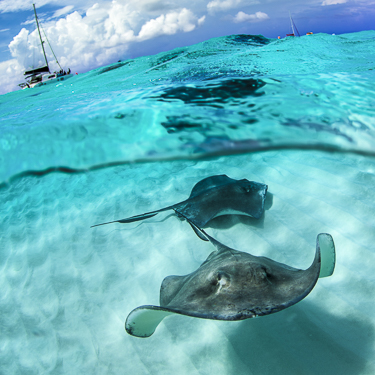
42	75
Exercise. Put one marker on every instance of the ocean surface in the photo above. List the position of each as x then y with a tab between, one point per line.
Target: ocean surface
297	114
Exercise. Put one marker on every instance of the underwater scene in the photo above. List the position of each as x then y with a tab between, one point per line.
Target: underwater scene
235	179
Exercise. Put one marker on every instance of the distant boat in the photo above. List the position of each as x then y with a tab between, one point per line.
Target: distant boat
294	27
42	75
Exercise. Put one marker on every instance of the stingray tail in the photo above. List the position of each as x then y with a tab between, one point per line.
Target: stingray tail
206	237
199	232
202	234
132	219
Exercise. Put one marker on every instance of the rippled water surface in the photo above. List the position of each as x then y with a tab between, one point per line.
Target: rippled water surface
297	114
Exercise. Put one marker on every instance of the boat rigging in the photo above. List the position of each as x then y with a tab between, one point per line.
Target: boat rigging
294	27
42	75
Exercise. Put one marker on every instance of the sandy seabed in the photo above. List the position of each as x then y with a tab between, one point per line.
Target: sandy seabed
66	288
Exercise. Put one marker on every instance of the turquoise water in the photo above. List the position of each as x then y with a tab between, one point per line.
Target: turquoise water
297	114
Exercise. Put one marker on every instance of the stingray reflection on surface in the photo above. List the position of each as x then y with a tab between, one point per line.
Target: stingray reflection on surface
216	92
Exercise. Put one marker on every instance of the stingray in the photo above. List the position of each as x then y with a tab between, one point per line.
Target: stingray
234	285
212	197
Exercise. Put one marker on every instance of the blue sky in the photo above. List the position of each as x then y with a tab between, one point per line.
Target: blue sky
87	34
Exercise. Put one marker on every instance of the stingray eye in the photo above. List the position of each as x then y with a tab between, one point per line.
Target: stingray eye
263	273
222	276
246	189
222	280
216	278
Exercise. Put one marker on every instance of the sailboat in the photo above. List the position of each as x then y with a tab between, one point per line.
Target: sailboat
42	75
294	27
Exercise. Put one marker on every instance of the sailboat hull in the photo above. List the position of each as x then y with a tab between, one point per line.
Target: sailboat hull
46	79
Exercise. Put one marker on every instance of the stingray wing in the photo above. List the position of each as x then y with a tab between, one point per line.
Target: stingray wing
229	197
199	188
143	321
210	183
192	210
328	254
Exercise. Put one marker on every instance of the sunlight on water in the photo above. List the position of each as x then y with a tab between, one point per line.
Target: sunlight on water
296	114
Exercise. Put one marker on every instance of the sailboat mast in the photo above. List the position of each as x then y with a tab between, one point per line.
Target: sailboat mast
51	48
40	37
291	22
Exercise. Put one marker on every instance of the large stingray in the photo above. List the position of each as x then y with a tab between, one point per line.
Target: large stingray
214	196
234	285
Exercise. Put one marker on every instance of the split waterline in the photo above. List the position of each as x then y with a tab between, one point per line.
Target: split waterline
136	137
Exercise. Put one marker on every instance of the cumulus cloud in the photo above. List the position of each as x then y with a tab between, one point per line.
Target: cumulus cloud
201	20
170	24
95	38
333	2
257	17
11	68
146	6
223	5
83	42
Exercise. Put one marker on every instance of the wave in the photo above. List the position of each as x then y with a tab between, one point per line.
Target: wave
228	95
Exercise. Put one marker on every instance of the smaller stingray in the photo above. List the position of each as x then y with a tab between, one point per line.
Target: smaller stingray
214	196
233	285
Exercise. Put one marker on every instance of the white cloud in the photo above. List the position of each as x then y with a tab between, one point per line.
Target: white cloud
333	2
170	24
11	68
257	17
145	6
3	30
20	5
62	11
95	38
16	5
223	5
201	20
20	44
28	22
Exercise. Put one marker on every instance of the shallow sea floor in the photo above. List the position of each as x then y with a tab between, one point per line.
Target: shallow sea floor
68	288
